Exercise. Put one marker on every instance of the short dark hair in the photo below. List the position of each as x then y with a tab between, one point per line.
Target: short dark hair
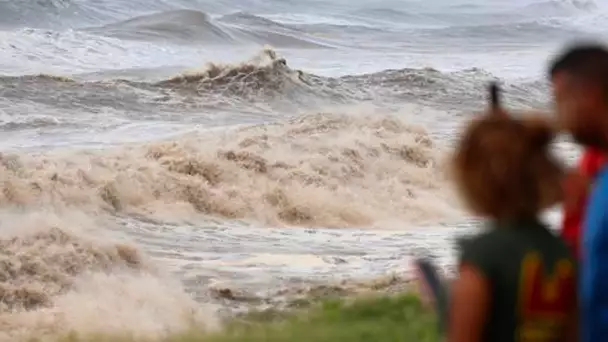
587	61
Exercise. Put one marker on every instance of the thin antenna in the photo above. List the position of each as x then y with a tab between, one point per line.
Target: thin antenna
494	96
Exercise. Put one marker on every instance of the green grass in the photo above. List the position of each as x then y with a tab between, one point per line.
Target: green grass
385	319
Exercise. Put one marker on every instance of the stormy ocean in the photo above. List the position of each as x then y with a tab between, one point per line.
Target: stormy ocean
155	151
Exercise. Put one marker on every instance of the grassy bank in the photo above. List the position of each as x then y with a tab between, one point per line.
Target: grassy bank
378	318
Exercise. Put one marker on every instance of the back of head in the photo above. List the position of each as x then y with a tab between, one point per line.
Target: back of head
503	167
587	60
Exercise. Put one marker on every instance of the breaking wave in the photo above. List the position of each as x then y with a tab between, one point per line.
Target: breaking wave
189	26
61	270
330	170
58	274
181	24
267	78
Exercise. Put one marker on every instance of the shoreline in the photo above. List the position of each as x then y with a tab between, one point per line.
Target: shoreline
345	311
387	310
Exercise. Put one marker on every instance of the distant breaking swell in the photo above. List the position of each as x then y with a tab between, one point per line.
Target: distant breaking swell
265	78
194	27
168	24
189	26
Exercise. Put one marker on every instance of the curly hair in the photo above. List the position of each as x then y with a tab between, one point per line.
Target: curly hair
503	168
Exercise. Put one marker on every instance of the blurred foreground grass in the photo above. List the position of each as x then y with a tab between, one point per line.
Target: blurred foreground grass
378	318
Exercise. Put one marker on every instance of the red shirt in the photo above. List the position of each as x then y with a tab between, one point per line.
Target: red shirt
590	163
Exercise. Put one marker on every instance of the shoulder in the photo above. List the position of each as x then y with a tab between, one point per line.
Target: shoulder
592	161
486	240
483	250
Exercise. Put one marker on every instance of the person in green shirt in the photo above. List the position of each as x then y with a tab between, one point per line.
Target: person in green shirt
516	279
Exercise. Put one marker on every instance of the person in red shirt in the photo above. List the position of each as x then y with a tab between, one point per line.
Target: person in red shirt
576	186
577	182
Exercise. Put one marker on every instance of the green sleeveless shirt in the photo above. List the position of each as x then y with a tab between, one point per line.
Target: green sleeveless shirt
532	276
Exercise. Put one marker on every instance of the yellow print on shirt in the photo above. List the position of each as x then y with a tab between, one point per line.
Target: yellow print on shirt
544	299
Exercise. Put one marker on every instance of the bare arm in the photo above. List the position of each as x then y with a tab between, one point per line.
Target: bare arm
470	302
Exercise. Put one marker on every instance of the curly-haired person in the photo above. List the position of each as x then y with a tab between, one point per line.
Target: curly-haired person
516	279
